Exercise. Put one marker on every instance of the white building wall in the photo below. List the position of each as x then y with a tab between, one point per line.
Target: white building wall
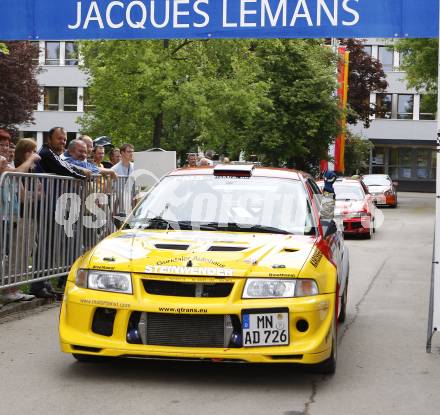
57	76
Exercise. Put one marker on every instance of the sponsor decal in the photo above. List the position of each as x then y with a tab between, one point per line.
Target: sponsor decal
316	258
175	269
104	303
197	280
282	275
183	310
185	258
104	267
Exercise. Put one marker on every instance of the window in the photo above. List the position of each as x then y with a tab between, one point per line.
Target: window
405	163
28	134
423	159
368	50
386	58
87	101
52	53
405	107
70	99
71	54
70	136
378	161
428	105
51	98
384	104
393	167
35	52
433	164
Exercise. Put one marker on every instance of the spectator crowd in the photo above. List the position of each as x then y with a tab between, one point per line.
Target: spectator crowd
79	159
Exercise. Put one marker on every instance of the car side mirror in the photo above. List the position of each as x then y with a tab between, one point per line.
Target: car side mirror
395	184
119	219
329	227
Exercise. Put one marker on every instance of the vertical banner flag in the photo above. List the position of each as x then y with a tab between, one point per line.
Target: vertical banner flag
161	19
339	156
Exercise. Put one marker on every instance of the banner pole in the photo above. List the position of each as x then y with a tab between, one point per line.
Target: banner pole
434	300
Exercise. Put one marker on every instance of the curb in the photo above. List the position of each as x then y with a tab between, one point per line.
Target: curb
21	306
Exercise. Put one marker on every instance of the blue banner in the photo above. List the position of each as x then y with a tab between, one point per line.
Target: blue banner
150	19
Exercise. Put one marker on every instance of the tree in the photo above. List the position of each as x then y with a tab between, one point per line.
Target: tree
175	94
3	49
420	62
365	75
300	117
357	154
272	98
19	90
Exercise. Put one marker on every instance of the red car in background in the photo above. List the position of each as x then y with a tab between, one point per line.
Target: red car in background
354	206
382	189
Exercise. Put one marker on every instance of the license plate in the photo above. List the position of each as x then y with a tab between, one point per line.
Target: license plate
265	328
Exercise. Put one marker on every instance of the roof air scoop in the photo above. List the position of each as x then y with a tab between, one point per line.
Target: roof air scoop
234	170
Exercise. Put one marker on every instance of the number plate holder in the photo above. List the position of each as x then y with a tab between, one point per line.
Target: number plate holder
265	327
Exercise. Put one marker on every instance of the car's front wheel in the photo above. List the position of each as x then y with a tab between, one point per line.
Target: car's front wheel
328	367
343	312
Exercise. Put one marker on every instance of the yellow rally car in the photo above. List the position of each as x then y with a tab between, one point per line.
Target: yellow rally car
230	263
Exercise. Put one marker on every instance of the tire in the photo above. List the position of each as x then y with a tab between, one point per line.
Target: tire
343	313
369	235
328	367
88	358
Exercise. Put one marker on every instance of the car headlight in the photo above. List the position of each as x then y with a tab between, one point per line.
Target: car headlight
273	288
118	282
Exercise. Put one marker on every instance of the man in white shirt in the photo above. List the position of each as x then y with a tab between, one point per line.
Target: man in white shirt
125	167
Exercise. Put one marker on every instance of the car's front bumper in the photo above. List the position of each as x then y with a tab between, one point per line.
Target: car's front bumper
385	200
80	305
357	226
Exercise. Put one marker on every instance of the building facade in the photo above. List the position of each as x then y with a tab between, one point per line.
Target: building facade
65	94
402	130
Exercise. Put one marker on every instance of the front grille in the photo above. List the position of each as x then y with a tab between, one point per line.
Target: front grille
184	289
184	330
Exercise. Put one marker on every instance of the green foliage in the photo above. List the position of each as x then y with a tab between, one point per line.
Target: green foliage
4	49
420	62
357	154
272	98
300	116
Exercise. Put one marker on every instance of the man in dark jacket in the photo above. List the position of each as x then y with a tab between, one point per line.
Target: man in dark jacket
50	153
52	163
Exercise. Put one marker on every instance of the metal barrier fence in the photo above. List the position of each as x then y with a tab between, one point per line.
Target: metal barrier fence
47	221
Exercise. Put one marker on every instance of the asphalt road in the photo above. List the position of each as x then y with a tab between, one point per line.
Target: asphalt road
382	369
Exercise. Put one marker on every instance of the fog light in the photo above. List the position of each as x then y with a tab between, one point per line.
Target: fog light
133	337
302	326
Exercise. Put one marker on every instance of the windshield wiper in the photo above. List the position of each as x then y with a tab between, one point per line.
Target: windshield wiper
161	223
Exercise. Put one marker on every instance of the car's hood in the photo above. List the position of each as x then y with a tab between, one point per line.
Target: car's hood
378	189
202	253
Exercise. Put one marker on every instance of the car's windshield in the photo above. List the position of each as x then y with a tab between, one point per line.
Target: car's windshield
205	202
376	180
348	192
